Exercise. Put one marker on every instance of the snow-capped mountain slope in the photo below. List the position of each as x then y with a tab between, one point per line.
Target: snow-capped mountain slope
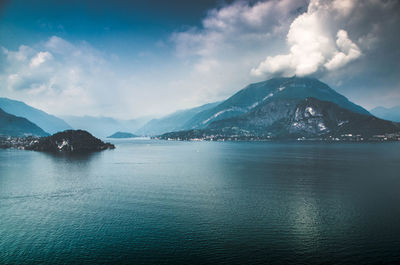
256	94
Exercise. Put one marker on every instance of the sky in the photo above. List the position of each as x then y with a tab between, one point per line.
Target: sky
127	59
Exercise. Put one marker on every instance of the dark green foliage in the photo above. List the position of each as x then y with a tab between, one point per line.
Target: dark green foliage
77	141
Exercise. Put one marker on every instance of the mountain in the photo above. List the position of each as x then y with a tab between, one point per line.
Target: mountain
308	117
256	94
392	114
173	122
293	119
47	122
286	108
104	126
11	125
122	135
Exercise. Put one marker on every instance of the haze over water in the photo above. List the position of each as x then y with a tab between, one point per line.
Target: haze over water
203	202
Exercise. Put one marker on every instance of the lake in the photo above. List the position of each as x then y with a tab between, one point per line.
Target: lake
159	202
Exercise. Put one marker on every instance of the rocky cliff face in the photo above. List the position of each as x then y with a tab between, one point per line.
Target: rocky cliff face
70	141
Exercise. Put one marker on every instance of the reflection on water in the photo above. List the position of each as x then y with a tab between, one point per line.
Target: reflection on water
72	165
188	202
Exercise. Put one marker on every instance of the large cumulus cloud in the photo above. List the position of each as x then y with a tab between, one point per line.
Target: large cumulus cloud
316	41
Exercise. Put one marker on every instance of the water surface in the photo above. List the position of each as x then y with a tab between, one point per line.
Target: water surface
203	202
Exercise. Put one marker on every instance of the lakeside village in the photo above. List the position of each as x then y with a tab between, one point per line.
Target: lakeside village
392	137
18	142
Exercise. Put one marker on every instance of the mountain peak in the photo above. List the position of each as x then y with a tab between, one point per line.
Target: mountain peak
255	95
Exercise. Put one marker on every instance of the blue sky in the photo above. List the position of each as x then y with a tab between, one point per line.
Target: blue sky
132	58
102	23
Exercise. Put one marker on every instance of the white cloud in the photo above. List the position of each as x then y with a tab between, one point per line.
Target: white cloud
40	58
236	24
348	52
345	7
65	78
19	56
220	53
311	39
57	76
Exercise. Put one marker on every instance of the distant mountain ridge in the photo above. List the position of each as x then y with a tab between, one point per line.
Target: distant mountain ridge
11	125
173	122
392	114
47	122
121	135
104	126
